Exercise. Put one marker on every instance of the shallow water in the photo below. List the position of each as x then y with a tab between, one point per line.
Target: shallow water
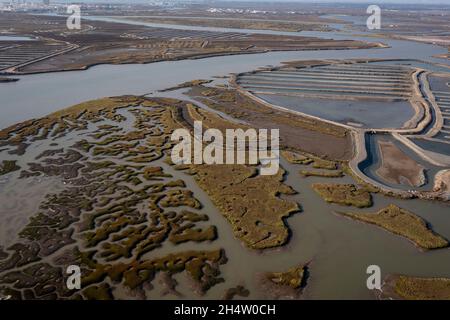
365	113
434	146
16	38
439	83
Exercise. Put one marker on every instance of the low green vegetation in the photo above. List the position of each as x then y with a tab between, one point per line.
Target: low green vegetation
296	158
317	163
293	278
324	164
124	207
8	166
403	223
415	288
343	194
252	203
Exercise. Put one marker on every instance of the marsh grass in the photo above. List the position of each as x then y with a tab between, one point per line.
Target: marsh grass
403	223
415	288
344	194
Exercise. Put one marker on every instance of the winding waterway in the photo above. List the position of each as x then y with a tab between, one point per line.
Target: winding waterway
339	249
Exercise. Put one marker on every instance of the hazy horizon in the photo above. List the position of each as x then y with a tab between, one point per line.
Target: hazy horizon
292	1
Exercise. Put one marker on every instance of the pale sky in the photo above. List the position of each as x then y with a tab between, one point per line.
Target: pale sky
299	1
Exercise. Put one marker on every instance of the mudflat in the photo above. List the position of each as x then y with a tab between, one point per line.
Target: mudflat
397	167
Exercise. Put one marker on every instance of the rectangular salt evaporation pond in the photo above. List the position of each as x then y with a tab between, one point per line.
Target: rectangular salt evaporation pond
413	63
16	38
344	92
277	77
447	121
433	146
445	136
439	83
373	162
370	114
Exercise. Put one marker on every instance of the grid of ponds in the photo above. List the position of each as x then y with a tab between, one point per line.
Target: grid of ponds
13	53
343	80
440	142
169	34
352	94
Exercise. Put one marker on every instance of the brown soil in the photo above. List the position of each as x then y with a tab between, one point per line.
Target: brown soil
117	43
296	132
397	167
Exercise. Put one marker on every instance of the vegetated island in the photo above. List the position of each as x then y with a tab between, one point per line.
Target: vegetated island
344	194
112	171
416	288
8	166
329	167
286	284
244	197
404	223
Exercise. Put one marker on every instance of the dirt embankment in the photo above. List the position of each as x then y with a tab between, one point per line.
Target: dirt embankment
442	183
